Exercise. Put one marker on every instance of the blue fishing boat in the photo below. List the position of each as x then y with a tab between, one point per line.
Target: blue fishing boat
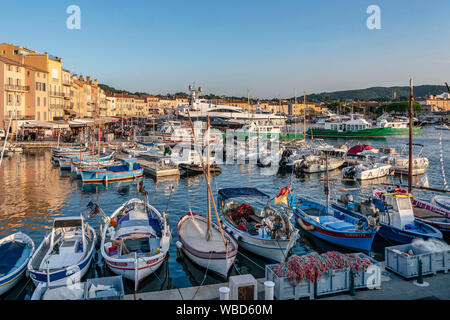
65	254
337	228
128	170
66	162
262	229
15	252
394	212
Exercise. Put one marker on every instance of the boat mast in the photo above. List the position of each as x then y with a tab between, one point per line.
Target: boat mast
208	185
411	115
207	176
7	131
304	115
248	107
327	188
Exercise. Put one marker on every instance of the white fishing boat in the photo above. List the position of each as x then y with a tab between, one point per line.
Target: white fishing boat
266	232
15	252
65	254
441	201
366	171
210	253
135	240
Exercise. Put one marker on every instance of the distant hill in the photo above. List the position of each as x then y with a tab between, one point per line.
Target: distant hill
378	93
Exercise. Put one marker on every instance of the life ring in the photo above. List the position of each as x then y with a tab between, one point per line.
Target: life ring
400	191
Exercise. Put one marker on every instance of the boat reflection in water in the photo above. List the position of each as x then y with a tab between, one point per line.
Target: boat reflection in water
120	186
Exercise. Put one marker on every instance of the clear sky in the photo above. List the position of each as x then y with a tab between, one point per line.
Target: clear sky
269	47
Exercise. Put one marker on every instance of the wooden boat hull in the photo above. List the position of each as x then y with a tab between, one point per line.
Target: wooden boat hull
66	275
354	240
218	262
271	249
146	265
109	176
9	280
397	235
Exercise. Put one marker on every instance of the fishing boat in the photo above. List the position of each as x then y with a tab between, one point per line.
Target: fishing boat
266	232
441	201
394	212
335	227
15	253
65	254
366	171
210	253
66	163
432	215
135	240
202	240
128	170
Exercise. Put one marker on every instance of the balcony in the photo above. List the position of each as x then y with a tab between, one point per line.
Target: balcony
57	94
17	88
55	106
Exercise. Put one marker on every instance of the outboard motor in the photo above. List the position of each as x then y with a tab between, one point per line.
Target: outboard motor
285	157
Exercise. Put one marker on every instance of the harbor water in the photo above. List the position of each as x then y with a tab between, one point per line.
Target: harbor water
33	192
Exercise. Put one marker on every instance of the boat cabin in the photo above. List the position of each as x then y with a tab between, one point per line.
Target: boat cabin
397	208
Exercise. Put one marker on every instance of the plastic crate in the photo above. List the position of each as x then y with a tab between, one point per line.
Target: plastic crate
116	292
407	266
333	281
369	278
440	261
284	290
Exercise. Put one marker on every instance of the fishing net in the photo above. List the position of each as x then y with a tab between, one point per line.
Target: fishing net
313	266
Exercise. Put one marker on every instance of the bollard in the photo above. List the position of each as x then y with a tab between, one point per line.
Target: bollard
179	246
352	282
224	293
268	289
420	277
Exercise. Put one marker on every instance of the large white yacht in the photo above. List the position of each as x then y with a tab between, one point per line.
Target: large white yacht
200	108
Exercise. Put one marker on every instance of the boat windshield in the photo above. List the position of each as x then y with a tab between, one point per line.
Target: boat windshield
404	203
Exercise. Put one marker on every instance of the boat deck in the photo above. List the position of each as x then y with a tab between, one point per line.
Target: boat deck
193	232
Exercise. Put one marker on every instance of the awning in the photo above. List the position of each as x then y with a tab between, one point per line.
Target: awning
241	192
42	124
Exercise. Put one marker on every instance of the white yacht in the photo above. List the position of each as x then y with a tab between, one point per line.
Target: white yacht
200	108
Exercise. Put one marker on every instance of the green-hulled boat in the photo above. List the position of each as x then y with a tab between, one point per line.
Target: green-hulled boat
358	127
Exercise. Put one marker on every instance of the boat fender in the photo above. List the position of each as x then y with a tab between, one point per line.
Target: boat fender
304	226
239	238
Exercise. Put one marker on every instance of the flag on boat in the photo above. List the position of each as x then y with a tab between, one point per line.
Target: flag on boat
377	192
282	197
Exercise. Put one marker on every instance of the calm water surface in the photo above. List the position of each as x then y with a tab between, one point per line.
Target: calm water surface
33	192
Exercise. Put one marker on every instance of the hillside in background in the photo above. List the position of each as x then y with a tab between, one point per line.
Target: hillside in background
368	94
378	93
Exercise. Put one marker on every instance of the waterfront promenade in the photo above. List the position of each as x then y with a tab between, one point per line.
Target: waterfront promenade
393	287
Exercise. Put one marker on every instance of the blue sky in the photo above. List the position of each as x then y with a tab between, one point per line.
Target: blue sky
269	47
